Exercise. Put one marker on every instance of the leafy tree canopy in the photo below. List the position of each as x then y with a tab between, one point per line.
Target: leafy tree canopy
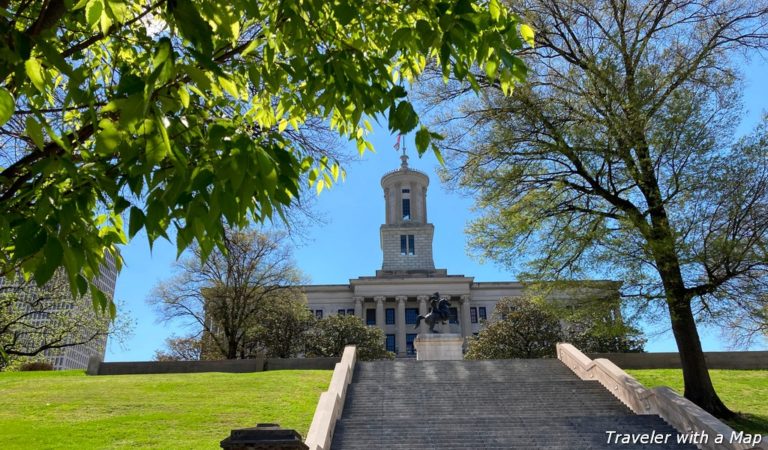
186	348
330	335
521	328
226	296
174	115
530	326
619	157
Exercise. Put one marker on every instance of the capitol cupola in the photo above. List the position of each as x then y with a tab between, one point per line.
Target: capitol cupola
406	237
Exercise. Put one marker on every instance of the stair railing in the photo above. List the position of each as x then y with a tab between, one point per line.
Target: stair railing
681	413
331	403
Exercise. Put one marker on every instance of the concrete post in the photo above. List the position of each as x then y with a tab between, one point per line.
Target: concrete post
400	325
466	321
423	310
359	307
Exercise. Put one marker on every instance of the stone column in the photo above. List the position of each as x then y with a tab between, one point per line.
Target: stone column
380	311
423	310
466	321
359	308
400	325
387	206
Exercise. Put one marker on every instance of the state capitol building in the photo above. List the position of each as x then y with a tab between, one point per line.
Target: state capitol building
399	292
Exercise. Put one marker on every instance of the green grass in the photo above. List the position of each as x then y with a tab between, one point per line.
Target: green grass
743	391
68	409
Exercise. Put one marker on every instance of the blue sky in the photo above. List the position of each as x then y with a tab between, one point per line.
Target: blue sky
347	245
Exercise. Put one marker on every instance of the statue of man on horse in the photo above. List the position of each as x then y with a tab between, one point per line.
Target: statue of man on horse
439	311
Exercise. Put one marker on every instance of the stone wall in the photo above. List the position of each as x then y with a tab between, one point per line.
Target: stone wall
227	366
715	360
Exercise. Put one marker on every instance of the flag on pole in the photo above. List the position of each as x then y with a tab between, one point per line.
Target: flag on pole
397	142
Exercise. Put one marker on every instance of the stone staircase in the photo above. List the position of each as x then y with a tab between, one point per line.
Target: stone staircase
509	404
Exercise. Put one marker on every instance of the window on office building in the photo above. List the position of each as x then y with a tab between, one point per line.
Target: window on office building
390	316
370	316
473	314
483	315
319	313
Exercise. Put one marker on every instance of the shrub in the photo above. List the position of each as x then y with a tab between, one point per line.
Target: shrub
33	366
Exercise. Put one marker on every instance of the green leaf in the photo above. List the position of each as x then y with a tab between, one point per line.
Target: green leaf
422	140
82	284
527	33
184	97
74	7
491	67
93	10
403	118
53	252
35	132
35	73
344	12
495	9
29	240
107	140
229	86
193	27
7	106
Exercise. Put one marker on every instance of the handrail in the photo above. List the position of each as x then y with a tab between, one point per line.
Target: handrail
681	413
331	403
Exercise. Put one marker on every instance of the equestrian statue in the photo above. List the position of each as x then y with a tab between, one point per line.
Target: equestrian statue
439	311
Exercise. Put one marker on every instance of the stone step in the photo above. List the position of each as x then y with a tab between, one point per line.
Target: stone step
571	384
512	370
509	404
524	432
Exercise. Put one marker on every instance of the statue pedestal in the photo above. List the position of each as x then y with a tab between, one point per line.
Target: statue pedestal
438	347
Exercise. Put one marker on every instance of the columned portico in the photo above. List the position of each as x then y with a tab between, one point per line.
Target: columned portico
400	324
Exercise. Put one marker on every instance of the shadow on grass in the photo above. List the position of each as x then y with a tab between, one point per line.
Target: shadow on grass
749	423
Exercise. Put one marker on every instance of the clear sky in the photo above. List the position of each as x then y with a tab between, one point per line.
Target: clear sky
347	245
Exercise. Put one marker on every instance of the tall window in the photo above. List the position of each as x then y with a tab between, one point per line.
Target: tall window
409	348
390	342
411	315
483	315
453	315
390	316
370	316
473	314
319	313
407	244
406	204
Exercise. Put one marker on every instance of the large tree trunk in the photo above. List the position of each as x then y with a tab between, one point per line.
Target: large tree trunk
698	384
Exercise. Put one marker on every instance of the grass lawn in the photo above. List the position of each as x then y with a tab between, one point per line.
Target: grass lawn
68	409
744	391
